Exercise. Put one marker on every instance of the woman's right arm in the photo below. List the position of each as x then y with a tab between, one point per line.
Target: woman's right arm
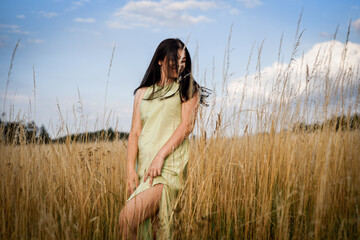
132	148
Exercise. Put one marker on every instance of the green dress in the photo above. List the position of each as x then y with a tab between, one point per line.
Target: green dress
159	119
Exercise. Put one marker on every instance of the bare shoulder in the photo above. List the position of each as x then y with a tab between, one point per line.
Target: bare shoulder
140	94
141	91
194	100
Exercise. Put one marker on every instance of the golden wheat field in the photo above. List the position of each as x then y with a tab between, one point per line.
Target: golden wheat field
278	186
254	172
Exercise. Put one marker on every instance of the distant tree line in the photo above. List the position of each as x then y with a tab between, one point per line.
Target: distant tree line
340	123
102	135
19	133
24	133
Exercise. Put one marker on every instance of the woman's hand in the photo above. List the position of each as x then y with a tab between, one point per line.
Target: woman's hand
154	169
132	178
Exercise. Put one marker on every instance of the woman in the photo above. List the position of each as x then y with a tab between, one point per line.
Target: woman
164	112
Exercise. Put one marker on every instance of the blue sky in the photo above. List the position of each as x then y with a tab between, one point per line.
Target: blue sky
70	43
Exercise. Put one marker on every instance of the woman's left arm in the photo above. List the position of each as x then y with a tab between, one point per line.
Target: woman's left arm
188	116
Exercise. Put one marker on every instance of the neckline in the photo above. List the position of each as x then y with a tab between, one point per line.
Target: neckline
172	82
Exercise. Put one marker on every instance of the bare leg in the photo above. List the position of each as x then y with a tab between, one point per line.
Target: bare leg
138	209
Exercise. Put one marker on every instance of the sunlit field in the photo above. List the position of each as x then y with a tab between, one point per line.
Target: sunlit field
259	168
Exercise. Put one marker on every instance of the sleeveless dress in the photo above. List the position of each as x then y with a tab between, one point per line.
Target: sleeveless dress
159	119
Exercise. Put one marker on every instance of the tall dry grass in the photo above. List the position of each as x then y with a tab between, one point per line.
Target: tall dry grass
280	186
250	176
61	191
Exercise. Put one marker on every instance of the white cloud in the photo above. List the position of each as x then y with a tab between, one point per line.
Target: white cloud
80	4
36	41
162	13
20	31
326	35
250	3
14	29
314	64
21	16
77	30
11	26
48	14
356	25
234	11
77	4
84	20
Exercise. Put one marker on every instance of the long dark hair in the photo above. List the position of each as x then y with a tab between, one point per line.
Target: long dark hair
188	87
